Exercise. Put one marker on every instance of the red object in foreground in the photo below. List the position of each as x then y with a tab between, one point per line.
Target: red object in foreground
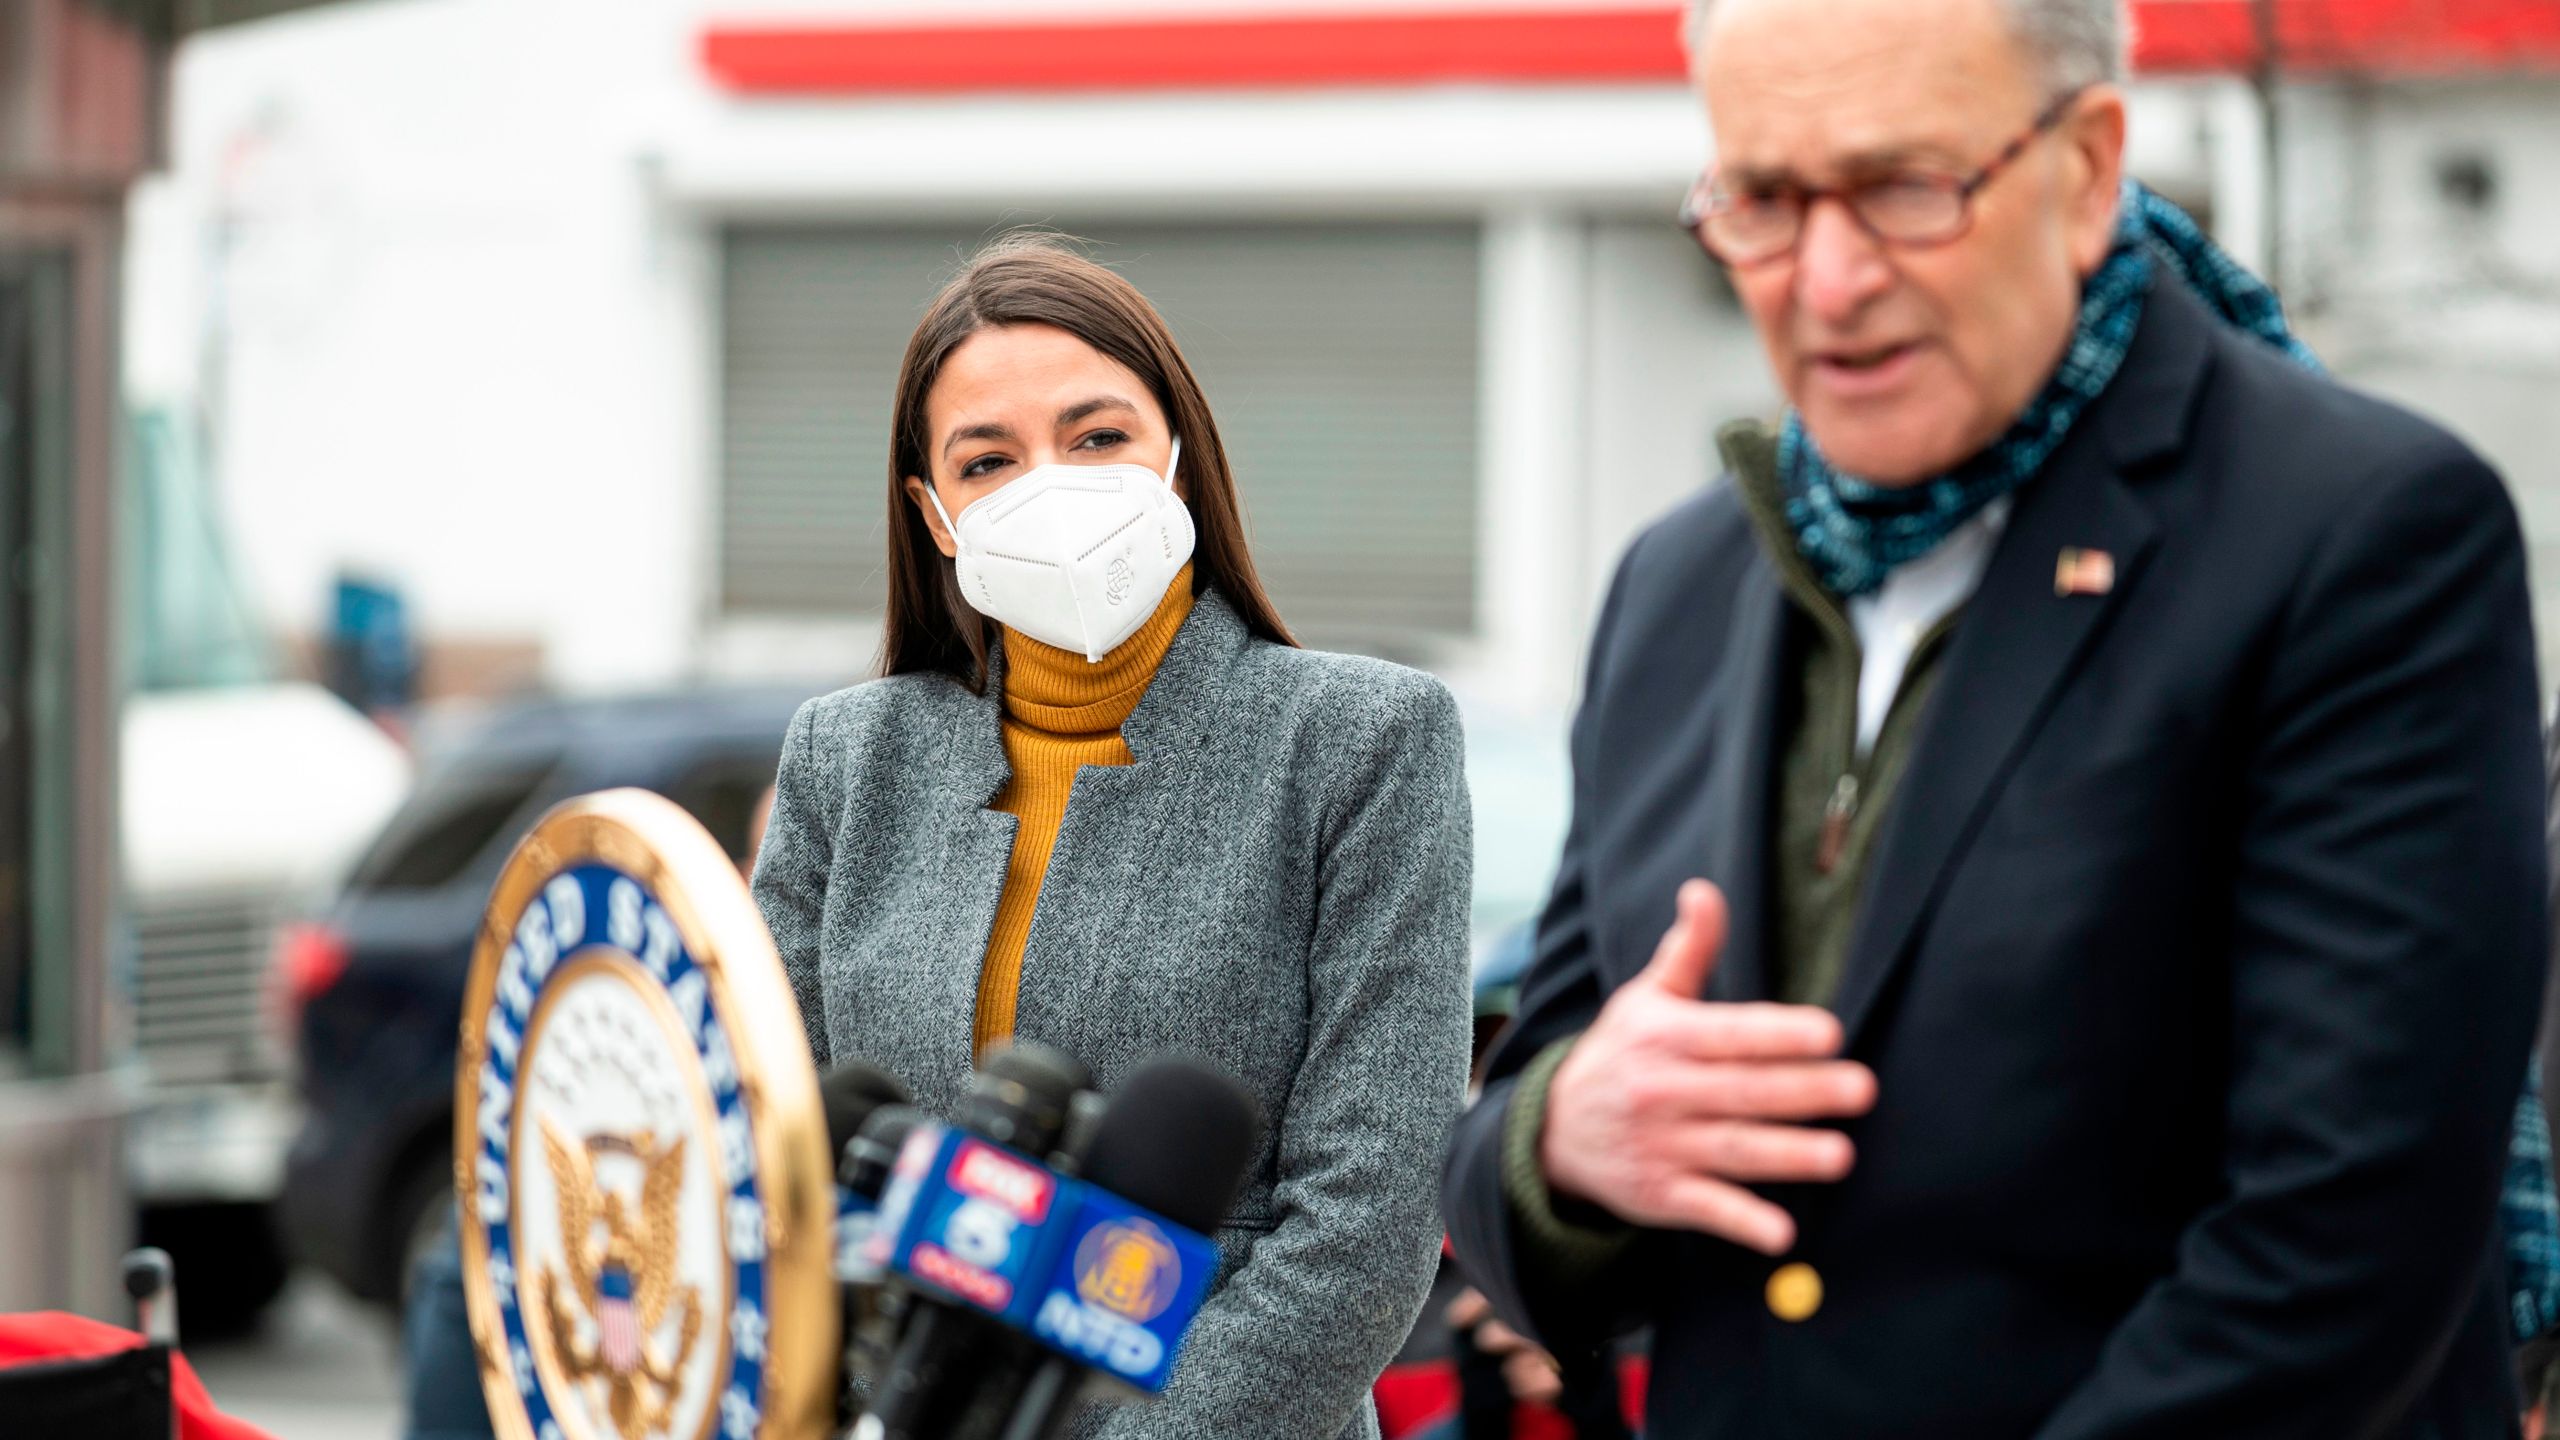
1634	44
53	1335
1414	1398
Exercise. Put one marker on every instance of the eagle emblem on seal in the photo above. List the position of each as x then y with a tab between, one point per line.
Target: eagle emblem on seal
621	1269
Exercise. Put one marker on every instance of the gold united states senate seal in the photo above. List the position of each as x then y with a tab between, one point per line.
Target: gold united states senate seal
647	1208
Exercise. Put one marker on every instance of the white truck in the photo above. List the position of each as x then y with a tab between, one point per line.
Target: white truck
243	795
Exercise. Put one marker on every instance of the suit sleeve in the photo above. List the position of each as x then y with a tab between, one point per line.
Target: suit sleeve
1550	1270
790	882
2385	960
1289	1348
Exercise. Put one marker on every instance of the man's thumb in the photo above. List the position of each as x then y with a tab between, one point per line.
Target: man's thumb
1687	954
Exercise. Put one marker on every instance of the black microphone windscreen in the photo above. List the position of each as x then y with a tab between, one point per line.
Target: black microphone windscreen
865	1164
1084	1113
1021	1094
1044	1069
849	1093
1176	1139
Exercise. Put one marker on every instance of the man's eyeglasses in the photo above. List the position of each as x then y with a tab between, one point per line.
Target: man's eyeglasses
1906	207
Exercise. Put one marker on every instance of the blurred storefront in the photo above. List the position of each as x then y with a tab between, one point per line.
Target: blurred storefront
640	289
637	291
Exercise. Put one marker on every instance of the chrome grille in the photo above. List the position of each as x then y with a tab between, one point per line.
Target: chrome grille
199	997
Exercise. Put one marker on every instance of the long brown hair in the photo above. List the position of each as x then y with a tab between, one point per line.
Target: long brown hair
1035	279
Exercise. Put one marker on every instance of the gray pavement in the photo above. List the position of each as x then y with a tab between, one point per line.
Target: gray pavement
321	1367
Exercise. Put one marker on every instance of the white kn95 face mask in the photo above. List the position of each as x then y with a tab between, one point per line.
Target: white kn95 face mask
1075	556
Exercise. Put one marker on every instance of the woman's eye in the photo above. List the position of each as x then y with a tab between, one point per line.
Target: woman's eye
1102	440
982	467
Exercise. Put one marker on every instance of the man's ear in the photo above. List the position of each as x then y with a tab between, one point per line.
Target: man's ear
920	495
2093	175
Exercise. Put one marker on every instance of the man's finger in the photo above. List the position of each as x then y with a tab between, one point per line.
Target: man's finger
1468	1309
1531	1376
1758	1090
1711	1030
1687	954
1698	1202
1764	1154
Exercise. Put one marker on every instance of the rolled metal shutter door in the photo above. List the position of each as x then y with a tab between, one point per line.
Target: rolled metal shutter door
1340	360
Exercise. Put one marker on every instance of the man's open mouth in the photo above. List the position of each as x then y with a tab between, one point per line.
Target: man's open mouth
1865	360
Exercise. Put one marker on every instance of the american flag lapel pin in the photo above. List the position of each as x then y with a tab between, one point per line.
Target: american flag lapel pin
2083	572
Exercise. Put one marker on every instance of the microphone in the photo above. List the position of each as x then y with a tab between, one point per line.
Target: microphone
1050	1276
1082	1117
1020	1100
1177	1139
849	1096
849	1093
872	1311
1022	1096
873	1153
856	1098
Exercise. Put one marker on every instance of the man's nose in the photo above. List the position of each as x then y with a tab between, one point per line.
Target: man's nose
1840	267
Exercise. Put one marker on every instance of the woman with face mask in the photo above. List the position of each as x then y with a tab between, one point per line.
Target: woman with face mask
1101	800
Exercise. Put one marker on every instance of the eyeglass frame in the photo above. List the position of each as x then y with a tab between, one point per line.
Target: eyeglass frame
1694	211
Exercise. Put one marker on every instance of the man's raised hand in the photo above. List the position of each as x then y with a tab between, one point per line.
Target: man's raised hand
1669	1105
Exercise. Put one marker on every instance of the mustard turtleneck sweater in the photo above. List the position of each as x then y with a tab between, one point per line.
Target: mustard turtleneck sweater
1061	713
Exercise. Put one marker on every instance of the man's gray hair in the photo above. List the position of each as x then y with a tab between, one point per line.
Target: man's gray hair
2075	42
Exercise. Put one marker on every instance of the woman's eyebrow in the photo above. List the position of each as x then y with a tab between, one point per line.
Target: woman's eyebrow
1098	403
975	432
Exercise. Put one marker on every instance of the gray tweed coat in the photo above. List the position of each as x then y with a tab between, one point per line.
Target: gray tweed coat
1279	884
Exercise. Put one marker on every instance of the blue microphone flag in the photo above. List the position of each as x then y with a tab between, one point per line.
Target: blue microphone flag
1105	1282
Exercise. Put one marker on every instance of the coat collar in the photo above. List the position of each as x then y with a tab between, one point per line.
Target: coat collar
1175	716
1739	793
1172	718
971	844
2023	637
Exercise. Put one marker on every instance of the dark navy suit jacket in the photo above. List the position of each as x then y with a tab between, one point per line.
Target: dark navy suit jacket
2197	961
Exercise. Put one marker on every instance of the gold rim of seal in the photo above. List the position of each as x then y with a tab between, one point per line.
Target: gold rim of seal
653	839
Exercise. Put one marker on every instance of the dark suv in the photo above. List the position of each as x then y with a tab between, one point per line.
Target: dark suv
380	980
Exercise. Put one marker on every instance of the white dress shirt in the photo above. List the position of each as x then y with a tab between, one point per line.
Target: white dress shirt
1891	618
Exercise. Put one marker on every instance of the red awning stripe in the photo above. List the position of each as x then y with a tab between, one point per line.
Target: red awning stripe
1577	46
2378	37
1282	51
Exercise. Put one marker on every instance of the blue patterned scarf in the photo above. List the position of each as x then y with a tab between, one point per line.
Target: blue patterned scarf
1854	533
2530	1216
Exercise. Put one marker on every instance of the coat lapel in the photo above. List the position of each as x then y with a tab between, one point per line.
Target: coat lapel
1744	759
970	846
1115	814
1179	710
2022	637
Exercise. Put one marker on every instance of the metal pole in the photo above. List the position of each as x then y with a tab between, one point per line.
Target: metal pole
2266	77
64	1215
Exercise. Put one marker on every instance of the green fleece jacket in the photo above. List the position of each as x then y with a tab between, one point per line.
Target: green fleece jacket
1831	804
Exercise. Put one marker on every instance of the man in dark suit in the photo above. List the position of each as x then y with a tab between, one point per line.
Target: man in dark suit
2051	925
